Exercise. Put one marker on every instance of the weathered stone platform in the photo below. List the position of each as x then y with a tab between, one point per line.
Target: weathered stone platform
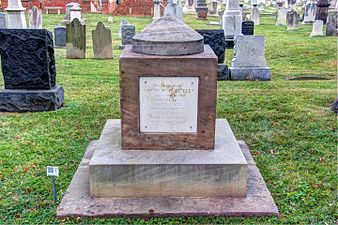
21	100
253	73
78	202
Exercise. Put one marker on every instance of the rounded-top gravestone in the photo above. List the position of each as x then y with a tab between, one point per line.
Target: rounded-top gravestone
168	36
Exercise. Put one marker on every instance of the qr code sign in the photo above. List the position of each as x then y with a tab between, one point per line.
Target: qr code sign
52	171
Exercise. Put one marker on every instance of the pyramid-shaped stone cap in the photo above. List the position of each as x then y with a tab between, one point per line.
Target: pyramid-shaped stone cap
168	36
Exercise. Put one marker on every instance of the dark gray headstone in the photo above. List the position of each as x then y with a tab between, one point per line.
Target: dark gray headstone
201	6
322	10
223	72
216	40
2	20
60	34
127	32
27	57
248	28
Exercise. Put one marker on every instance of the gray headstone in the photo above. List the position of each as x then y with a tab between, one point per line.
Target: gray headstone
123	22
173	9
332	25
2	20
213	9
35	18
249	61
127	33
310	10
292	19
281	17
76	40
102	42
60	34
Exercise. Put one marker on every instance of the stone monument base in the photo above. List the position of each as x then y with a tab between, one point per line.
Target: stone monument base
20	100
78	202
252	73
116	173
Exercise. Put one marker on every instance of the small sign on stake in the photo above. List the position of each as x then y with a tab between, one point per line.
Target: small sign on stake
53	171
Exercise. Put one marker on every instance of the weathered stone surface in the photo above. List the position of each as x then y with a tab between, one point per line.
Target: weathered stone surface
332	24
201	6
27	58
249	52
214	9
75	13
2	20
77	202
114	173
310	10
249	61
281	17
317	29
60	36
127	34
18	100
223	72
189	7
76	40
168	36
216	40
35	18
134	65
292	19
255	15
248	28
102	42
157	9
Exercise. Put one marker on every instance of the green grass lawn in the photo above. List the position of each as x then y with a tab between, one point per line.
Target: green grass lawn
287	124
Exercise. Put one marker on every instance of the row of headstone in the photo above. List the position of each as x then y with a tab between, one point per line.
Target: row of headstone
16	19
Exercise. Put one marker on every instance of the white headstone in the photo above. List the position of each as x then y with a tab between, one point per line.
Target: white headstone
157	9
189	7
213	9
255	15
35	18
232	19
317	29
281	17
16	15
173	9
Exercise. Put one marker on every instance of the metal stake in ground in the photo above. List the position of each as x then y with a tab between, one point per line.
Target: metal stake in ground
53	172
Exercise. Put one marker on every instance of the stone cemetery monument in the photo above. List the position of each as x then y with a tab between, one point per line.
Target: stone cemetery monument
35	18
189	7
201	10
16	15
216	40
332	25
317	29
2	20
157	9
213	10
255	15
232	19
28	67
310	10
292	19
123	22
322	10
102	42
60	36
281	16
127	32
168	155
249	61
248	28
75	13
173	9
76	40
66	19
